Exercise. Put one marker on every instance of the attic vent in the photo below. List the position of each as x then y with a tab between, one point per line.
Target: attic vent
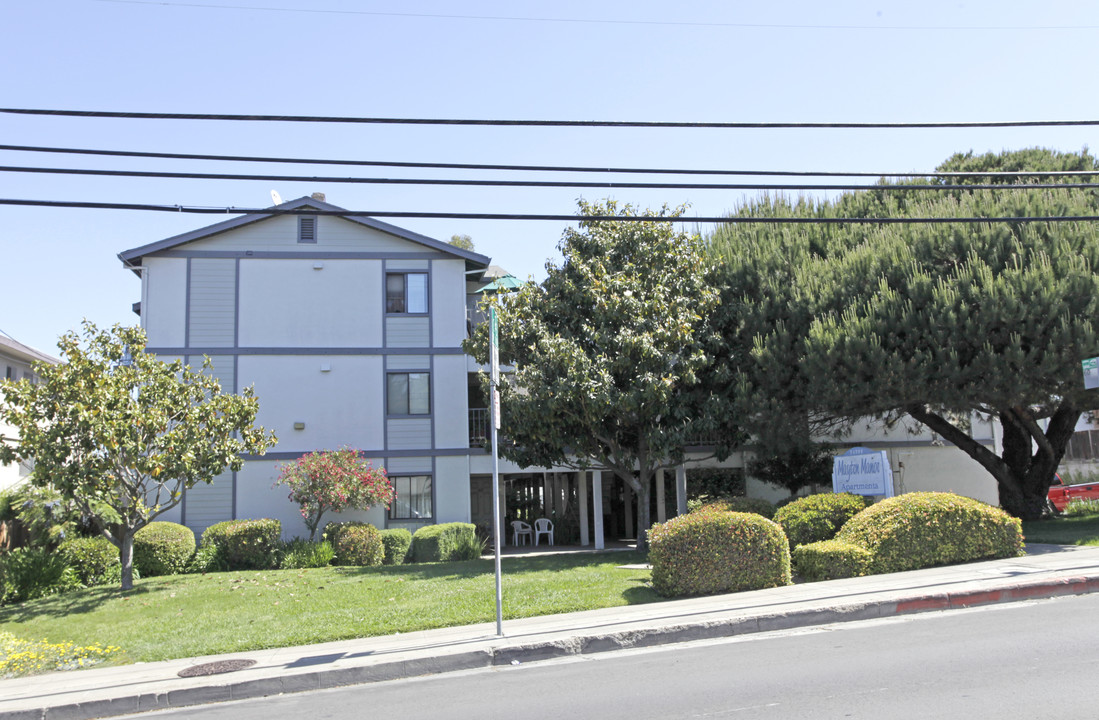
307	229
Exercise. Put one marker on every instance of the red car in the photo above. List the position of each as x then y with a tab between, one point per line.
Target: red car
1060	495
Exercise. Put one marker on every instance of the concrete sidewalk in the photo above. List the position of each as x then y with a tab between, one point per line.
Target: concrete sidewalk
1047	571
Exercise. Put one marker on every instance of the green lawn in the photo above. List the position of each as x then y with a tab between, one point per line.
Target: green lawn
1075	530
190	615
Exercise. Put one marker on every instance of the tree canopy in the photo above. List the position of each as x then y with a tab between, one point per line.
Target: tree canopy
123	434
939	321
608	351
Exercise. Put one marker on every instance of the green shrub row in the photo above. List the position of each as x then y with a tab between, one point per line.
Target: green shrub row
163	548
446	542
355	543
831	560
713	551
739	504
818	517
397	543
245	544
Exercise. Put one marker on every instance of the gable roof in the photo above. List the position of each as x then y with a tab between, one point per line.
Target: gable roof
24	353
131	258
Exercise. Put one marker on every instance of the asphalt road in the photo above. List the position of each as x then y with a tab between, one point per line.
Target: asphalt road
1024	660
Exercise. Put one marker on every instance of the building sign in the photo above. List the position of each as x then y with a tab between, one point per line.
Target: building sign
1091	373
862	471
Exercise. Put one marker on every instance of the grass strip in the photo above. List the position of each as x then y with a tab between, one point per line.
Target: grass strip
1072	530
192	615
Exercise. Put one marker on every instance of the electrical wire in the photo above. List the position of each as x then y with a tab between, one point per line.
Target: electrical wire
541	123
204	210
610	185
536	168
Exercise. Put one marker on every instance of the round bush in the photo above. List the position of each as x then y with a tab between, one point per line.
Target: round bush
715	552
741	505
830	560
95	560
163	548
818	517
925	529
355	543
245	544
396	542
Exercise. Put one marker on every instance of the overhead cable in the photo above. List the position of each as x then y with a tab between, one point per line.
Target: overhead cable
536	183
537	168
272	211
541	123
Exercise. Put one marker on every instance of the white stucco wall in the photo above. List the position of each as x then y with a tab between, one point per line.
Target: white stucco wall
163	301
448	292
291	303
342	406
452	489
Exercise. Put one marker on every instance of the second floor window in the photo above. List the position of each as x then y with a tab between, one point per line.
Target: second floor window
406	293
408	393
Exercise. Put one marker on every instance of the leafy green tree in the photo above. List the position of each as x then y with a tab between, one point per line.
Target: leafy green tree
942	322
462	242
608	351
335	480
122	434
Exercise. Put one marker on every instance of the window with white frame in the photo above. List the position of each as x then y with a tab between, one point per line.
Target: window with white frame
413	501
406	293
408	393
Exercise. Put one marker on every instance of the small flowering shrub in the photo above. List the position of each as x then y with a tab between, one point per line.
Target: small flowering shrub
19	658
335	480
27	573
818	517
711	551
446	542
740	504
300	553
245	544
924	529
163	548
830	560
397	542
95	560
355	543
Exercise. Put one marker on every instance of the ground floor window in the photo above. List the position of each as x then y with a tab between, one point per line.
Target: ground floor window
413	497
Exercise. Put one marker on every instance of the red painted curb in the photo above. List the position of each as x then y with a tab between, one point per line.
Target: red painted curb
1025	591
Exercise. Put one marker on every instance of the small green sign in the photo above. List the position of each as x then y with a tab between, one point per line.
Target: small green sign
1091	373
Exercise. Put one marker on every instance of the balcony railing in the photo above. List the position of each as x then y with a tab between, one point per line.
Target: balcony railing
479	429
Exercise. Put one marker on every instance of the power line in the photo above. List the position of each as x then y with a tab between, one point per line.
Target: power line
610	185
596	21
535	168
541	123
204	210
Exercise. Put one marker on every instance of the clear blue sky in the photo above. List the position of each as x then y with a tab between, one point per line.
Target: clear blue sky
691	60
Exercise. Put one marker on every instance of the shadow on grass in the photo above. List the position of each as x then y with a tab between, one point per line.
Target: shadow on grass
513	566
72	603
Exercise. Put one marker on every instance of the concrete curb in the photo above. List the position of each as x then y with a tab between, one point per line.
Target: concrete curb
221	688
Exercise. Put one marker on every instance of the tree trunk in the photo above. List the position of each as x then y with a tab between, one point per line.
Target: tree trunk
1030	456
126	556
644	515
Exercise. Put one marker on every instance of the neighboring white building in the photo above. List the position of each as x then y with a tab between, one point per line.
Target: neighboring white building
15	364
350	330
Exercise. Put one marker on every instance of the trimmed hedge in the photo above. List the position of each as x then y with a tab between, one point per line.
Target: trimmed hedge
95	560
830	560
741	505
163	548
446	542
397	542
245	544
710	551
355	543
818	517
924	529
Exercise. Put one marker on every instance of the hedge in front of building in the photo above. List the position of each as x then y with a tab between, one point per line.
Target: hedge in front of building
446	542
758	506
830	560
818	517
245	544
924	529
355	543
710	551
163	548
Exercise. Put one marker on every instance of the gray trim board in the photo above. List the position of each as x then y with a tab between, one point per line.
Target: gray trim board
310	255
199	350
187	309
128	256
379	454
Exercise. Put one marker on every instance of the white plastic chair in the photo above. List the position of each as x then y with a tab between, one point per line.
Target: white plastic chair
519	530
542	526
